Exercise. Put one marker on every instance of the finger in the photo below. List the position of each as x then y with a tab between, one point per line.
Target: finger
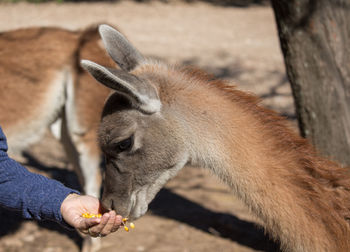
85	224
107	229
95	231
117	223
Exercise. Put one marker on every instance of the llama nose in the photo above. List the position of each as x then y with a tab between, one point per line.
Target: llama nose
108	204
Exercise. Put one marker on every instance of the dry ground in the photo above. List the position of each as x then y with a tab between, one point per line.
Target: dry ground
195	212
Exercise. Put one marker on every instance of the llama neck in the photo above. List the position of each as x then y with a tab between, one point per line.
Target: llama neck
275	172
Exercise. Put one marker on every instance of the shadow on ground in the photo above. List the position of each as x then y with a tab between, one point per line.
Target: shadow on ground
11	221
170	205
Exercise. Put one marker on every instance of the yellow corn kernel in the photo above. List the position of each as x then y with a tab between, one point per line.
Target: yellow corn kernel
125	219
132	225
126	228
88	215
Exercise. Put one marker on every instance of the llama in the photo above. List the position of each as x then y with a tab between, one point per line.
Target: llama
161	118
44	86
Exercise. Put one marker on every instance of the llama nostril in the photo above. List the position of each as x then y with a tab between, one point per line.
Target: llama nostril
112	205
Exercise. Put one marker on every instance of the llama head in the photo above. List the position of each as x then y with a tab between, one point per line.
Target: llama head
142	144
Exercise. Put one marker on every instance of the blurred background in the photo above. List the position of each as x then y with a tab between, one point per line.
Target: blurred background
235	40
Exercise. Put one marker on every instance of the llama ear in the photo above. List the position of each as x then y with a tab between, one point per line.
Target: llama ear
119	48
142	95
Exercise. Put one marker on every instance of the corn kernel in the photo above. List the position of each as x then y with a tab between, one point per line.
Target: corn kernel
132	225
126	228
88	215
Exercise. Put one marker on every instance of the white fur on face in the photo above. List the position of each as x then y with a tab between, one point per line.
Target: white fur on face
150	105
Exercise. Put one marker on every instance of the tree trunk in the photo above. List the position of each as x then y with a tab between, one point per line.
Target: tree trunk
315	40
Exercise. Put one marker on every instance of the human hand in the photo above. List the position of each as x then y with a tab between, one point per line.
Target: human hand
74	205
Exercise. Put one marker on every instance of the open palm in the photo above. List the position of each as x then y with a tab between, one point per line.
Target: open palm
75	205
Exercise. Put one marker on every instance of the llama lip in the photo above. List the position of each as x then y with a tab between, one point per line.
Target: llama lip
132	206
138	203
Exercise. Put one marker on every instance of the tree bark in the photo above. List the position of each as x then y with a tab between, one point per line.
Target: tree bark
315	40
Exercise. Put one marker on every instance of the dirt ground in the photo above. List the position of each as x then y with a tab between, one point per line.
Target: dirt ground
194	212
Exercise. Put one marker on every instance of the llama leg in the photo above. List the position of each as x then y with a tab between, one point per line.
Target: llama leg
87	167
89	162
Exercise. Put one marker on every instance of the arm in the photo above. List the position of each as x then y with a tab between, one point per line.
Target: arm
36	196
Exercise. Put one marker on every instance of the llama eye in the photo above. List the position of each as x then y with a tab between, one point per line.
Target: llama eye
124	145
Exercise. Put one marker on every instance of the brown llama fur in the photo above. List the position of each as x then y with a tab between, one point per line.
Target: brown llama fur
324	184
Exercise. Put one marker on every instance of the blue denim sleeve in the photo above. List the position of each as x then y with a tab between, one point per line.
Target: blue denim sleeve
35	196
